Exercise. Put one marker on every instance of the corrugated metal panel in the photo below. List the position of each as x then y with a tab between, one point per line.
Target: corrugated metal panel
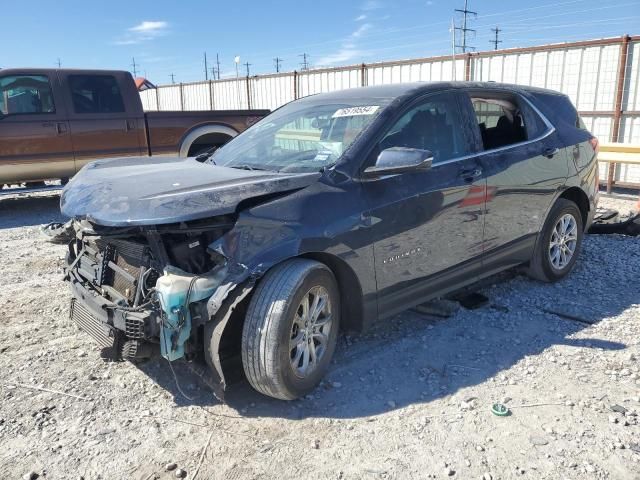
196	96
169	97
149	100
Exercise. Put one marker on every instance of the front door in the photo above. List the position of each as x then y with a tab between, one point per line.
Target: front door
427	226
103	123
34	133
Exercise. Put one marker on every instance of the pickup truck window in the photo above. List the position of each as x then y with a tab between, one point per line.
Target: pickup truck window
25	94
95	94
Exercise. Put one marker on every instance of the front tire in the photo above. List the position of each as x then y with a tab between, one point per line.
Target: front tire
558	244
291	328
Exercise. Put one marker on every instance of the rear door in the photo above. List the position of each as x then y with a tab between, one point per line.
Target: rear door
34	133
524	170
104	121
427	225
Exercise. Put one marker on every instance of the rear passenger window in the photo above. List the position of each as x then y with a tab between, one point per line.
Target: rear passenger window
505	120
433	125
95	94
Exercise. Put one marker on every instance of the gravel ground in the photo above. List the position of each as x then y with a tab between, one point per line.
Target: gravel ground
410	399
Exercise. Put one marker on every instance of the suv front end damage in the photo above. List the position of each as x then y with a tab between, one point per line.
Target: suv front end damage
155	265
139	289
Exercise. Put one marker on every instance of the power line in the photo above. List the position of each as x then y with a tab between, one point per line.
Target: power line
277	61
465	13
305	61
135	66
496	41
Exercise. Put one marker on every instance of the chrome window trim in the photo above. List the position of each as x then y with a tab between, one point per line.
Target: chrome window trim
550	130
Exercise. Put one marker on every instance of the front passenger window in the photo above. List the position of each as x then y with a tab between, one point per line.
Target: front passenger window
433	125
24	94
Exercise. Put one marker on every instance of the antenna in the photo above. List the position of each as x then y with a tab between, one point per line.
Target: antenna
496	41
465	13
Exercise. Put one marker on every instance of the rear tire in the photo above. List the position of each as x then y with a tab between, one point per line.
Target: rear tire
287	344
558	244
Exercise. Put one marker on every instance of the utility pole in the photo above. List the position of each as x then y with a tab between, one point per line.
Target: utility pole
135	67
206	67
496	41
173	79
465	13
305	61
277	62
59	63
218	65
247	64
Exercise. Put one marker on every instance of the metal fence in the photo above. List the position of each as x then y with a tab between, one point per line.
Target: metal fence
600	76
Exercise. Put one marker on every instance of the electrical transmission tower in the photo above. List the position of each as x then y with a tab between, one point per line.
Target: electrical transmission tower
464	29
173	79
496	41
277	62
247	64
135	66
305	61
206	67
218	65
59	63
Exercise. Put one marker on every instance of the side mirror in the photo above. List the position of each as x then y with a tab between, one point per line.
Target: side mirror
400	160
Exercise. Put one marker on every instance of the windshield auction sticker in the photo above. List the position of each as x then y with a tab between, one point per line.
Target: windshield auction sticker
353	111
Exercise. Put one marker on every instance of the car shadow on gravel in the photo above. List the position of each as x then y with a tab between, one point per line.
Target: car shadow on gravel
23	211
416	359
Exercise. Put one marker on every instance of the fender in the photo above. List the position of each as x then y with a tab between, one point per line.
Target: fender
191	136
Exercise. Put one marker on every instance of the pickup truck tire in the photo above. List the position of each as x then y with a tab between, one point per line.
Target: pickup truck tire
559	242
291	328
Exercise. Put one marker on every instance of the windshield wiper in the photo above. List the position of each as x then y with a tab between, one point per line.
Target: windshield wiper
246	166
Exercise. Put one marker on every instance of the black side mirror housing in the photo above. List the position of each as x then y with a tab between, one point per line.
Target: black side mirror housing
396	160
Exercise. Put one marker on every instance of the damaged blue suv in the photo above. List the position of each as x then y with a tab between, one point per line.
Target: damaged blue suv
333	212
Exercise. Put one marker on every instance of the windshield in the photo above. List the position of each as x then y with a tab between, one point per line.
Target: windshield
301	137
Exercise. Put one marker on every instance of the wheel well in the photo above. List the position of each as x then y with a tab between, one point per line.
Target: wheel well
207	140
205	135
580	198
351	317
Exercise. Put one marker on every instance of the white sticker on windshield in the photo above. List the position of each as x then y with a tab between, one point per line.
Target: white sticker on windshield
353	111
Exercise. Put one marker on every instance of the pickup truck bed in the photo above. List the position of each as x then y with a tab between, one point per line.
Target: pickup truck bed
54	121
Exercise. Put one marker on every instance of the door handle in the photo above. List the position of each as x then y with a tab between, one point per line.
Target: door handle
129	125
469	175
61	128
550	152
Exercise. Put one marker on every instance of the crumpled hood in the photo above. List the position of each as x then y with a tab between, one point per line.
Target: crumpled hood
159	190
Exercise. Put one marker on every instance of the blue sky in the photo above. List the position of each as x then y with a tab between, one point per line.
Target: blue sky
170	37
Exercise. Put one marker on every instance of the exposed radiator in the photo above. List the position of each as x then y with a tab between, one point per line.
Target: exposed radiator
90	324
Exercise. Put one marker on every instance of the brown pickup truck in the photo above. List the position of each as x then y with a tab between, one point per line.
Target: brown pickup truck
54	121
